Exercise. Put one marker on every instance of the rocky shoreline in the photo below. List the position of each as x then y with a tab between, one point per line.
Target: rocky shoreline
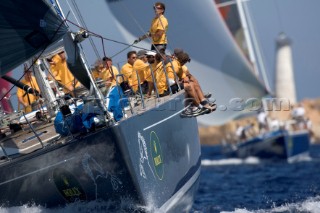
214	135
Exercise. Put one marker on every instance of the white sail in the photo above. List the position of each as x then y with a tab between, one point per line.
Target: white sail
23	35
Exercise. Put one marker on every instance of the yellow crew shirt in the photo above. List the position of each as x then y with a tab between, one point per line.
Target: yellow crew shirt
127	70
161	80
159	23
63	73
107	75
148	74
139	67
20	93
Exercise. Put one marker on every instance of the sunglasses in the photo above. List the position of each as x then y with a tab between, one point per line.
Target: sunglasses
150	56
157	8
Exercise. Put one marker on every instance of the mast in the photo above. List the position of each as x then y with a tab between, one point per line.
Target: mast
73	51
45	88
250	39
260	62
247	35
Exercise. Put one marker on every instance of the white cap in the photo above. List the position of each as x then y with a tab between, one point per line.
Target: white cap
151	53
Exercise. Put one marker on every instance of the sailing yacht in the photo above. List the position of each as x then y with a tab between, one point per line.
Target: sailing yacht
151	157
288	142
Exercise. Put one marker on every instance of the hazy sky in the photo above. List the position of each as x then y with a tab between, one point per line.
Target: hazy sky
300	21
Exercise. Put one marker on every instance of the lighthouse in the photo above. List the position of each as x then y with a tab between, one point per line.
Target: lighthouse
284	78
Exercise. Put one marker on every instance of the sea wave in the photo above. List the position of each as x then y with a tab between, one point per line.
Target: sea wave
80	207
230	161
311	205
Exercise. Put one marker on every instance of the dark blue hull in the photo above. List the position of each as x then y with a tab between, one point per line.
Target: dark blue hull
151	159
278	144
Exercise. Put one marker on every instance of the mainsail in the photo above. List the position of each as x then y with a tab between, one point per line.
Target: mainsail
217	62
26	30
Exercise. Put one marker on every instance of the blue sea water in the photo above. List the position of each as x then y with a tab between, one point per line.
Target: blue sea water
238	186
253	185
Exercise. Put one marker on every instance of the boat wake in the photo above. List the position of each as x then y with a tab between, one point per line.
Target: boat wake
230	161
311	205
126	205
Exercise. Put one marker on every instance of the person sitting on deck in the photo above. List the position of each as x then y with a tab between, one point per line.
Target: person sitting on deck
150	72
139	69
115	98
186	72
160	76
127	68
24	98
110	73
200	104
98	74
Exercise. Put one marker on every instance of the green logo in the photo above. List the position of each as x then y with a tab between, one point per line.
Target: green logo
68	186
156	154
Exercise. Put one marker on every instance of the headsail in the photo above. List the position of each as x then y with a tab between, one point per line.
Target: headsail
25	30
217	61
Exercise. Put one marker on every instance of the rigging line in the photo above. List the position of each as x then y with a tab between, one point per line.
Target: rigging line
95	34
101	37
84	24
133	18
74	15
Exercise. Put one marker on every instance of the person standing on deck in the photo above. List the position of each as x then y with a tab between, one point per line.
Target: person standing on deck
262	121
25	98
158	29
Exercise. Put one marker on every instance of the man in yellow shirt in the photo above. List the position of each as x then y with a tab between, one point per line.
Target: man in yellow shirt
25	98
62	73
150	72
127	69
158	29
200	104
98	70
160	75
110	73
140	68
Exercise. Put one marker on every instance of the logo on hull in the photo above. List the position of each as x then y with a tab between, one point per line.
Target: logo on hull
68	186
157	156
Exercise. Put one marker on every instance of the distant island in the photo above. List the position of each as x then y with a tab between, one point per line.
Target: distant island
214	135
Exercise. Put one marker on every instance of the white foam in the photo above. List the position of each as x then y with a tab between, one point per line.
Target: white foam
230	161
311	205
